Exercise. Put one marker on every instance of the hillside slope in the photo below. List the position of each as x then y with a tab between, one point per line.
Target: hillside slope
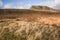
43	15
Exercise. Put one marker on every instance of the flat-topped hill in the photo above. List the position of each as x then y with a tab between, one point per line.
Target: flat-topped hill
41	8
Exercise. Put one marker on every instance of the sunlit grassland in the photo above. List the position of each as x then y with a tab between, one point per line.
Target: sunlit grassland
28	30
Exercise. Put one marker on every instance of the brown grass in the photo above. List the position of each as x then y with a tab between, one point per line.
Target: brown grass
28	30
29	25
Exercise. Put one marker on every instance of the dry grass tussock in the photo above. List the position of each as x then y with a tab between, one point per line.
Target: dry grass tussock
28	30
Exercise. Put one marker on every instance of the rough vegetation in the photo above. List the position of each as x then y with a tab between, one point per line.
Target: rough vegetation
37	23
28	30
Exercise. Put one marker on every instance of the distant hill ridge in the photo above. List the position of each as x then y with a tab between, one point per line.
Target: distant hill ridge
32	8
41	8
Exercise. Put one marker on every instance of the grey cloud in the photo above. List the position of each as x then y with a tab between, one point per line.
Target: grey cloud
57	6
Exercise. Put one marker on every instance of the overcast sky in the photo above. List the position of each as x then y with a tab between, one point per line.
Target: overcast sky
25	4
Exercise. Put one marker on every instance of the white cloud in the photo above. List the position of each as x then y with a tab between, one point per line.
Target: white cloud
16	6
57	6
19	6
7	6
49	3
1	3
53	4
12	5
